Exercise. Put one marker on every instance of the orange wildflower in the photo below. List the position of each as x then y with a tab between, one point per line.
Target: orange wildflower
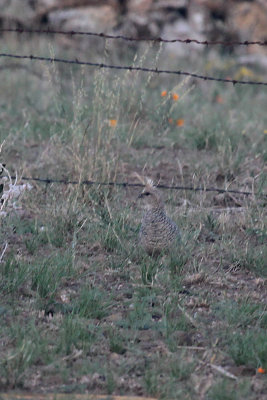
170	120
219	99
180	122
163	93
175	96
112	123
261	370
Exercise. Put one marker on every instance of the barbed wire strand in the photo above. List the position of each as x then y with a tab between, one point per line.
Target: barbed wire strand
130	68
134	39
126	184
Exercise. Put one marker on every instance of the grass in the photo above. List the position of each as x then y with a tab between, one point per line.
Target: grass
249	349
83	309
225	391
75	334
243	311
13	275
91	303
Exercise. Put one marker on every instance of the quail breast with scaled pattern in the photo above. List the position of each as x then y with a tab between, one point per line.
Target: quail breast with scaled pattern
158	232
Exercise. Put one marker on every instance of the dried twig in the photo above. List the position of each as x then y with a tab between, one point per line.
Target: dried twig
111	217
220	369
192	348
223	371
3	252
192	321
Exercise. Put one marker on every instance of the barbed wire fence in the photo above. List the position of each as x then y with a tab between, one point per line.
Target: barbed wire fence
132	68
127	184
133	39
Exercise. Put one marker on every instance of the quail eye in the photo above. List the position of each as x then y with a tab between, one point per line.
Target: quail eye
146	194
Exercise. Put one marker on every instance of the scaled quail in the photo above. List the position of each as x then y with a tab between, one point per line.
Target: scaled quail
158	232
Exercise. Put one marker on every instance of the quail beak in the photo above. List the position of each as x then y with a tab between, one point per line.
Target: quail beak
140	196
